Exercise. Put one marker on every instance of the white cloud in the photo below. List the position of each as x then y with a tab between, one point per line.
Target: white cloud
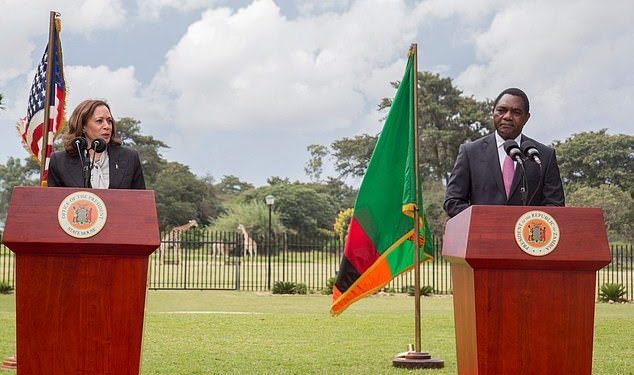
573	63
151	9
308	8
23	24
118	87
255	69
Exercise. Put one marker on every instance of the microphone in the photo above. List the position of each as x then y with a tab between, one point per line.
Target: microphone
80	143
512	149
99	145
531	151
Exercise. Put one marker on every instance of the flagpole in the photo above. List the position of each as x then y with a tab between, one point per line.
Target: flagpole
414	357
47	104
414	50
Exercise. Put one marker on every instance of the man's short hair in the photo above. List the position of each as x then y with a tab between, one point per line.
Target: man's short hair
515	92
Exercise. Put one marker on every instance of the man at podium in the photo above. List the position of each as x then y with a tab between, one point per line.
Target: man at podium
505	167
93	155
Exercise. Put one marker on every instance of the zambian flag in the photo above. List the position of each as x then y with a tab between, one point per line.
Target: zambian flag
379	245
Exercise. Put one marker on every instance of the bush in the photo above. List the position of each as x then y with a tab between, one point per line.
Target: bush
612	292
284	287
289	287
5	288
426	290
301	288
330	283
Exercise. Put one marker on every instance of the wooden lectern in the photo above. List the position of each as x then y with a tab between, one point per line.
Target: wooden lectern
517	313
80	302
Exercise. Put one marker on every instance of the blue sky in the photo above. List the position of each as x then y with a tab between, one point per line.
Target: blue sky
243	87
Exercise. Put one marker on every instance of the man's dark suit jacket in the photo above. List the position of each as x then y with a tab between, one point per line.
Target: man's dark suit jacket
124	165
477	179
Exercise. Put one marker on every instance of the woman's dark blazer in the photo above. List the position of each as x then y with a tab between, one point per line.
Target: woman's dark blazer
124	164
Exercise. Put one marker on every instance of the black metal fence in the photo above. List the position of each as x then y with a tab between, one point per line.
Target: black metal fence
232	261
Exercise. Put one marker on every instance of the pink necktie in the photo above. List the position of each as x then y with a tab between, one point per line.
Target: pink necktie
507	174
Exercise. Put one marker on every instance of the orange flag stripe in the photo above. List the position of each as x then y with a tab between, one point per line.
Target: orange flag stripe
365	285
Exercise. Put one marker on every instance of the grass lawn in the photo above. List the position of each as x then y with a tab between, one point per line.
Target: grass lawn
212	332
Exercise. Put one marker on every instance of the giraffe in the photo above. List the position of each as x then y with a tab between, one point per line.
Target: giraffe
173	239
250	247
220	248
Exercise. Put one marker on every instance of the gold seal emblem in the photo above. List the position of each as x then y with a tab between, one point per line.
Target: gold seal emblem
537	233
82	214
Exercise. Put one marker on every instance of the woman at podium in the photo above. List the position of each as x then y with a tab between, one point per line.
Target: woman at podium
93	156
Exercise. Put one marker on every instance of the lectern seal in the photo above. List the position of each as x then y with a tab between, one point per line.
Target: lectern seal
82	214
537	233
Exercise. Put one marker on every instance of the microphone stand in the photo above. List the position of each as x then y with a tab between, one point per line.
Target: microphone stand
87	168
524	187
539	182
85	162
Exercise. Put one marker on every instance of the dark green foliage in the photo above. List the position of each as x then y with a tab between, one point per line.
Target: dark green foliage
289	287
301	288
15	173
301	208
612	292
617	205
446	119
426	290
330	283
253	215
353	154
231	186
597	158
129	130
182	196
5	288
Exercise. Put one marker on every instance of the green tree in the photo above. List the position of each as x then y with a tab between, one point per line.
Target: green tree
129	130
352	155
342	222
343	195
182	196
13	174
302	209
433	198
617	206
232	185
314	166
596	158
253	215
446	119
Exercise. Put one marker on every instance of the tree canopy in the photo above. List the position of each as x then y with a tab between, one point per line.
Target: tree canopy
596	158
301	209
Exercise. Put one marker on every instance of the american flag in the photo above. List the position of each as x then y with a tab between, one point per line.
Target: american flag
32	126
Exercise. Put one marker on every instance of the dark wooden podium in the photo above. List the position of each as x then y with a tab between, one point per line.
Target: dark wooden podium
80	302
517	313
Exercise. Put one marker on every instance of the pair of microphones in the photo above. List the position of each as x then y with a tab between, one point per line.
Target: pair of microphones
528	151
81	144
97	144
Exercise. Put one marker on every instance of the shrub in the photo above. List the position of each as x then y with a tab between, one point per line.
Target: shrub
5	287
301	288
426	290
612	292
284	287
329	284
289	287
